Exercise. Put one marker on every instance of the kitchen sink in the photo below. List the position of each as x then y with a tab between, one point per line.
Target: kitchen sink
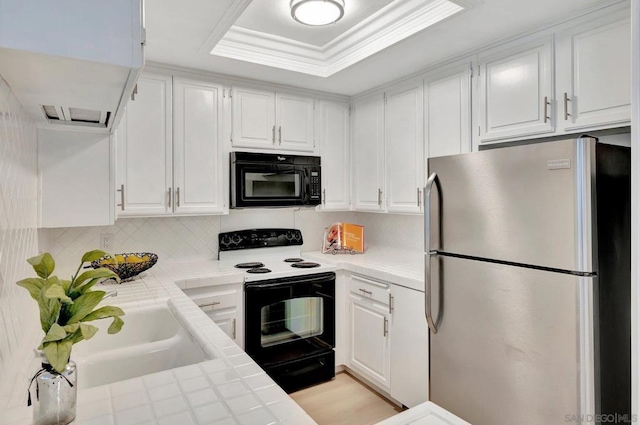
151	340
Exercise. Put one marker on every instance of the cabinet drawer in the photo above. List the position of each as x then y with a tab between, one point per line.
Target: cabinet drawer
214	298
369	289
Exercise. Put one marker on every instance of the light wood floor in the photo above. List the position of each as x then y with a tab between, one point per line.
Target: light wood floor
344	401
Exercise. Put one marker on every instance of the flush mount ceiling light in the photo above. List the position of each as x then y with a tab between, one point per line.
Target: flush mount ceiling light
317	12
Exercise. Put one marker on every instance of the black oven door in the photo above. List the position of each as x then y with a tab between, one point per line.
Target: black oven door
271	185
289	317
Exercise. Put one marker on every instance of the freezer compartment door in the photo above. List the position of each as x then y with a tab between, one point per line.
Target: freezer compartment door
527	204
513	345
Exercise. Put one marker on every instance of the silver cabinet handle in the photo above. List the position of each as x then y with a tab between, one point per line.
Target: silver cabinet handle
209	304
234	328
178	197
273	134
385	327
566	106
279	135
427	251
365	291
134	93
390	303
324	196
121	204
419	197
546	109
170	193
379	196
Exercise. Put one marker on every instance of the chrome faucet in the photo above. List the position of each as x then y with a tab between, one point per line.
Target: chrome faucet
113	293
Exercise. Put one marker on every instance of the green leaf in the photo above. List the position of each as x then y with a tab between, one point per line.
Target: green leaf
49	308
94	255
58	353
66	285
71	328
56	333
115	326
43	264
55	290
87	330
33	285
102	312
83	305
100	273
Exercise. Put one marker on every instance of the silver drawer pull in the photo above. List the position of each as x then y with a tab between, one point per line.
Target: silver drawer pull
365	291
209	304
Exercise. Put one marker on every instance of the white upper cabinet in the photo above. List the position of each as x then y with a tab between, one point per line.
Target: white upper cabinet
594	74
253	118
334	145
169	149
447	111
368	149
197	163
516	90
294	119
404	125
266	120
144	144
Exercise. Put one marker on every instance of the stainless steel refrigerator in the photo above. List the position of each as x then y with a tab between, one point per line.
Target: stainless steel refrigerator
527	278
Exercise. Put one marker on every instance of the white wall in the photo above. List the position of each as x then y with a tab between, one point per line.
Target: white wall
196	238
19	324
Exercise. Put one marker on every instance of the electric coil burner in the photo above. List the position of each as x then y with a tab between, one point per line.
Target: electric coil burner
251	265
289	310
305	265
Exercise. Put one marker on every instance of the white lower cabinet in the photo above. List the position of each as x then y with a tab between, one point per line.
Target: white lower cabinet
369	347
224	305
409	347
388	338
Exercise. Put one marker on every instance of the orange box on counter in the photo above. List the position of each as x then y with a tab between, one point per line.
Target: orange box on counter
353	237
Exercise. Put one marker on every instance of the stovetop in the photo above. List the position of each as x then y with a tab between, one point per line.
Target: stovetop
267	249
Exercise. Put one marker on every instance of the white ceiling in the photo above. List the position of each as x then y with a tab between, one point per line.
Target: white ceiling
274	17
182	33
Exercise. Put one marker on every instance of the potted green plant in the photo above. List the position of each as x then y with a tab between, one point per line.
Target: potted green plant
66	307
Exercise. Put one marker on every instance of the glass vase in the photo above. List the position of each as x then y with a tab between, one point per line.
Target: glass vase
55	401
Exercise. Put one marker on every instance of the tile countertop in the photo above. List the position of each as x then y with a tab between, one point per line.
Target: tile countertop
231	389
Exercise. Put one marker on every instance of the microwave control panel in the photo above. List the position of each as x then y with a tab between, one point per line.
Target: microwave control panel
314	184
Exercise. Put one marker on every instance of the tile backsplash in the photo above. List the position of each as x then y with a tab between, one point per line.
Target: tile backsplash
185	238
19	324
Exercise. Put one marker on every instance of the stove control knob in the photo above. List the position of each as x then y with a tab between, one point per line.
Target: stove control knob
236	239
289	236
225	241
297	236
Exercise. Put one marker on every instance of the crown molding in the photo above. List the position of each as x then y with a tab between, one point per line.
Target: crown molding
389	25
231	15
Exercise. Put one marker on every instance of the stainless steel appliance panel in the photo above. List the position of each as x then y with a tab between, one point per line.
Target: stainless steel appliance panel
526	204
507	347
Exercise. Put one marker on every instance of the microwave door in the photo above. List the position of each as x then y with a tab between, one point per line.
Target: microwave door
279	184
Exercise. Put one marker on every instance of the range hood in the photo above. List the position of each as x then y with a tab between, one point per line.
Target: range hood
72	64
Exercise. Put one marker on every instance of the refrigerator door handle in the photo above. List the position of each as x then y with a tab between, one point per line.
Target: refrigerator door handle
427	251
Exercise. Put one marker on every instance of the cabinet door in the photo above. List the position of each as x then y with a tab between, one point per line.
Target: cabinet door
334	147
594	75
369	340
447	95
409	347
294	122
404	125
144	150
367	150
227	320
516	96
253	118
197	163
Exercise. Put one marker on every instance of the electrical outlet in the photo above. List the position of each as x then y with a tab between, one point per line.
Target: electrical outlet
106	241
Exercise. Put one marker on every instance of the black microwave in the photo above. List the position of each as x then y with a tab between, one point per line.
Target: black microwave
274	180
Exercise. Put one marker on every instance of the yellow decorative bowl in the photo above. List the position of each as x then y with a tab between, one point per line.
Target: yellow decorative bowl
127	265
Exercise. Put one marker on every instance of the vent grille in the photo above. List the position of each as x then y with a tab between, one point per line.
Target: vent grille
76	116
